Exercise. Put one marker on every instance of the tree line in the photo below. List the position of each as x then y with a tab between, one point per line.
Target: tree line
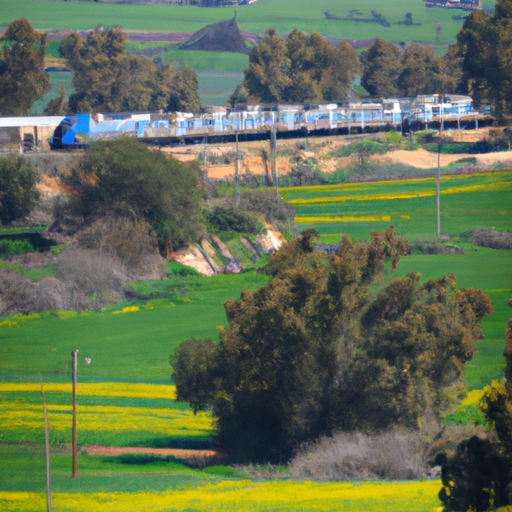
105	77
298	68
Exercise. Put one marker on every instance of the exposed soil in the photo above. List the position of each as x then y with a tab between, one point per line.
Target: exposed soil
192	455
420	158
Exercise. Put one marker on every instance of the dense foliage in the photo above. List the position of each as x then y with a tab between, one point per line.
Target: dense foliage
301	68
18	192
315	351
124	178
485	47
230	219
479	475
389	73
107	79
23	79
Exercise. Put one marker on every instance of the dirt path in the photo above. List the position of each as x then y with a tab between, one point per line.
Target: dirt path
96	449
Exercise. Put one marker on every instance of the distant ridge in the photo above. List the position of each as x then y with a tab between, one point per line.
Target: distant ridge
219	37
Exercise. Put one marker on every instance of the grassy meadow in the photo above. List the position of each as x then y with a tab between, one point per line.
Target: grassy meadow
125	395
284	15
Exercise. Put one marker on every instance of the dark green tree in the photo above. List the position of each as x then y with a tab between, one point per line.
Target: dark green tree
485	45
315	351
123	177
267	77
479	475
23	79
301	68
420	71
18	192
381	69
107	79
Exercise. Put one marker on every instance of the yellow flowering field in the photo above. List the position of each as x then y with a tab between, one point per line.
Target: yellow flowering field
359	185
245	495
106	389
21	418
401	195
363	218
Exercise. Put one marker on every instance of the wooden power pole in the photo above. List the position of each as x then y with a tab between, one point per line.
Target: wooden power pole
47	444
237	175
273	149
74	356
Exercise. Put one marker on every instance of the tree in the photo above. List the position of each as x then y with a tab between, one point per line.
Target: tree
485	46
124	178
301	68
478	476
315	351
107	79
18	192
420	70
381	69
266	77
23	79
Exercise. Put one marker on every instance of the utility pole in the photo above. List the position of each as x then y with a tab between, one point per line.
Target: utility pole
47	445
438	175
74	473
237	176
273	148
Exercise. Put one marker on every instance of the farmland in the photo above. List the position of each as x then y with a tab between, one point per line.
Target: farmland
307	16
125	395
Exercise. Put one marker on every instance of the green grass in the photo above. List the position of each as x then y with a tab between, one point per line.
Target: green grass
26	472
487	207
284	15
56	79
208	61
128	346
215	88
165	484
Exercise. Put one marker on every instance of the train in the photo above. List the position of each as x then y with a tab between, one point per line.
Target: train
257	122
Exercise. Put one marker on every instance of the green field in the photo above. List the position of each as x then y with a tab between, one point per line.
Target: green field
125	394
133	346
143	484
284	15
467	202
56	79
215	88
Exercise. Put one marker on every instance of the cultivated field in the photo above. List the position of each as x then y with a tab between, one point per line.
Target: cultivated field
284	15
125	395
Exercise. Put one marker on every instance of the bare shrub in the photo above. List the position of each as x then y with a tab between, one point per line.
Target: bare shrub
433	248
25	296
492	238
353	456
100	277
134	243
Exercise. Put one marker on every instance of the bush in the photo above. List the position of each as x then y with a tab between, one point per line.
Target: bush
221	219
366	146
395	138
137	183
492	238
354	456
433	248
99	277
475	477
133	243
18	192
15	247
266	203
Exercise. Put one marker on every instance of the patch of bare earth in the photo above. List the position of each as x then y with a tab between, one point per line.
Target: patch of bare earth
190	455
